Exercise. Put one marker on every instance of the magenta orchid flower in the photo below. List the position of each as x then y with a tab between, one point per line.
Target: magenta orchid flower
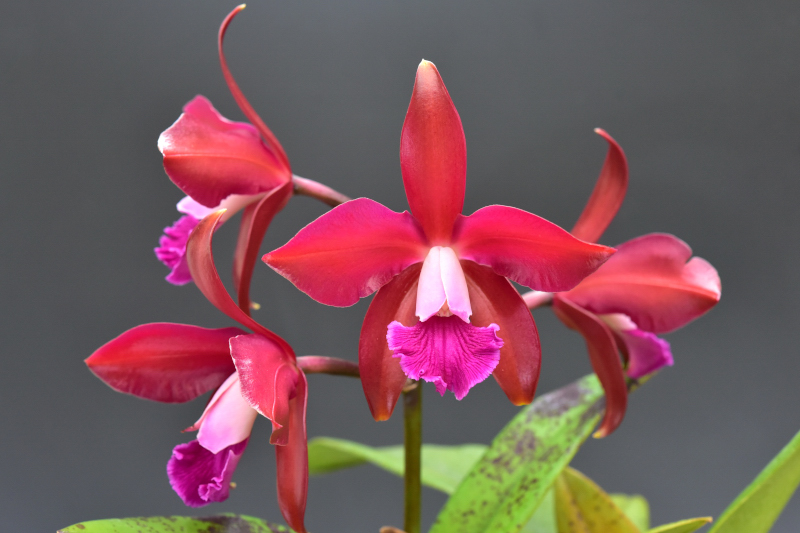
255	374
651	285
444	311
221	164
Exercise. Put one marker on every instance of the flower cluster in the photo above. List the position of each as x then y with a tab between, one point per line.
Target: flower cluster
444	310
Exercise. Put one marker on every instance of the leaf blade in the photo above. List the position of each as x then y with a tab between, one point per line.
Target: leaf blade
223	523
682	526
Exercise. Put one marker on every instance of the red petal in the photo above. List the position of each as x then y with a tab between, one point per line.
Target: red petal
292	461
649	280
256	218
381	375
526	248
210	157
607	196
349	252
268	379
494	300
604	357
433	156
200	257
244	105
169	363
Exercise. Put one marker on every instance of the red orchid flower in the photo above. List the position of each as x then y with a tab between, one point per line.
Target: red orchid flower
649	286
443	302
255	373
219	164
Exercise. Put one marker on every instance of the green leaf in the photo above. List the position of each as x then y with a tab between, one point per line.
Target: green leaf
683	526
443	467
544	519
223	523
582	506
757	508
504	489
635	508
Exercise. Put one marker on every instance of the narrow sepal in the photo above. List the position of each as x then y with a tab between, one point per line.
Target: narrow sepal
292	462
381	375
256	219
604	356
494	300
433	156
200	257
607	196
349	252
165	362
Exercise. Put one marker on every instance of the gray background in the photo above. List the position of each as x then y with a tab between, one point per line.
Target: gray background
703	96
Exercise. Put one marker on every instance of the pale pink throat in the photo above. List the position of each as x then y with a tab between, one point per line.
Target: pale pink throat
447	351
442	288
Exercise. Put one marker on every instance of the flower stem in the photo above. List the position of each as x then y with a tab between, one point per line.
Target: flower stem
412	416
317	190
534	299
318	364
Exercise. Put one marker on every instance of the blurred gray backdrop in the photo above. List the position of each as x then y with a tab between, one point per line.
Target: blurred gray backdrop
703	97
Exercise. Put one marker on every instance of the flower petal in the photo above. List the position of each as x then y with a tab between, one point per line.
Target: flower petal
381	375
447	351
227	419
650	280
433	156
526	248
255	222
292	461
244	105
349	252
495	300
604	357
210	157
646	352
169	363
200	256
172	249
201	477
607	196
268	377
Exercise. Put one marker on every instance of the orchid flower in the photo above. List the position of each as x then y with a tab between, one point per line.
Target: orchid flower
444	311
255	373
649	286
220	164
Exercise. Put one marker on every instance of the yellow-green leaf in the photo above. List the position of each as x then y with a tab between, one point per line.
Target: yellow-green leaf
224	523
635	508
757	508
683	526
583	507
443	467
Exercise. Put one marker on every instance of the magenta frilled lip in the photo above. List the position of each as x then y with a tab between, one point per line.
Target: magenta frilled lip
442	278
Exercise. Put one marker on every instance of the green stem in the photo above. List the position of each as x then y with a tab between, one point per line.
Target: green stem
412	416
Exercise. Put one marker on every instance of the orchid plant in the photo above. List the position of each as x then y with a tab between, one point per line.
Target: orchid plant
444	311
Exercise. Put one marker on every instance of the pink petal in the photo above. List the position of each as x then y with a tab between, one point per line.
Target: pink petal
268	379
200	256
172	249
495	300
381	375
650	280
430	291
244	105
607	196
349	252
526	248
210	157
446	351
255	222
227	418
433	156
604	356
165	362
292	461
646	352
201	477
